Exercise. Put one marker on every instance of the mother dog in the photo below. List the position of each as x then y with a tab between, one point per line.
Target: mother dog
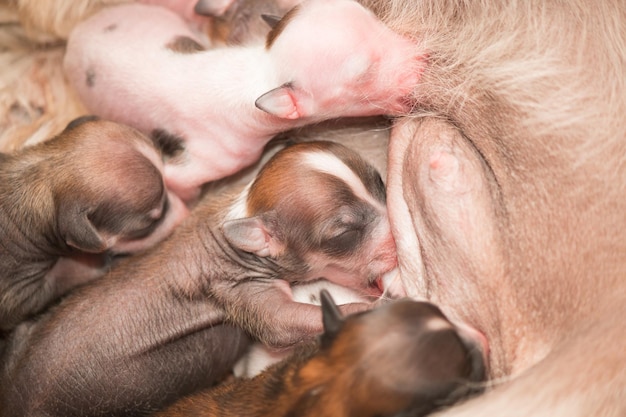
506	193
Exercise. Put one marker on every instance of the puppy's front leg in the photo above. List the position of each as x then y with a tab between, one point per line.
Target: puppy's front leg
267	310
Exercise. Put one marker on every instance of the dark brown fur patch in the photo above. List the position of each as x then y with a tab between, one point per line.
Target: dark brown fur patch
184	45
169	144
90	77
280	26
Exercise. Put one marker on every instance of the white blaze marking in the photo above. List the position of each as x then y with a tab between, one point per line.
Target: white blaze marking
239	207
331	164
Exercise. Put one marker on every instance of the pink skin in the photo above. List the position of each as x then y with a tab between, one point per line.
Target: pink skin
208	98
369	71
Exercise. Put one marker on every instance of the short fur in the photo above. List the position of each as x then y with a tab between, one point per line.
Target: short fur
385	362
66	207
226	263
239	22
539	88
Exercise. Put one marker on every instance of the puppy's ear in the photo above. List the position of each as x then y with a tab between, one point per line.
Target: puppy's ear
271	20
258	235
286	102
79	121
331	318
78	231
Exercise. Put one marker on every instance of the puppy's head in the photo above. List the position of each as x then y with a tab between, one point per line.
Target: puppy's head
402	357
108	188
321	206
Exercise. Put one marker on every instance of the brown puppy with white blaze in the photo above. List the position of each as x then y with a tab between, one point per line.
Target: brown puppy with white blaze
316	208
70	204
506	193
402	358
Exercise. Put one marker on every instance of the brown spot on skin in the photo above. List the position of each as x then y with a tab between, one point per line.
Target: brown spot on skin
111	27
184	45
280	26
90	77
169	144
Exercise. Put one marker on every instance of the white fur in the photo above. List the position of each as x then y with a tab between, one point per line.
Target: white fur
331	164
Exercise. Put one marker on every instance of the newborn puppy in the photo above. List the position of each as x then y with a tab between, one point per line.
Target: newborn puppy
67	205
215	110
403	358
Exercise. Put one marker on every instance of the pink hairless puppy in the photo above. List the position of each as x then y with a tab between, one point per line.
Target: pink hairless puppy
216	109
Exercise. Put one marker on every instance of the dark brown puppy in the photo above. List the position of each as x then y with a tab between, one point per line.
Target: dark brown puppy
69	204
401	358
